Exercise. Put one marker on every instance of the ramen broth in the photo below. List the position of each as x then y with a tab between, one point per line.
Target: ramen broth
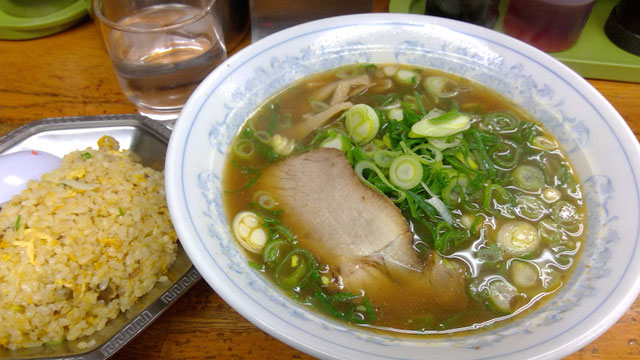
513	220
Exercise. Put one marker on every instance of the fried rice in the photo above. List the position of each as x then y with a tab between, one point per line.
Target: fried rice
80	246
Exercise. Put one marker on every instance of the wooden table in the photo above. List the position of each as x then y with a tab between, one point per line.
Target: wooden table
70	74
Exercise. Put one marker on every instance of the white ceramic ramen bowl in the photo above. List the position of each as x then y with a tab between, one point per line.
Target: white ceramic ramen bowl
601	146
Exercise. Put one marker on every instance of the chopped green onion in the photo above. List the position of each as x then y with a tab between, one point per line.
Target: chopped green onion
530	207
120	211
370	148
446	237
543	143
523	274
440	86
517	238
551	195
419	102
549	232
87	155
491	171
243	148
445	118
435	124
442	209
17	225
362	123
503	194
505	154
248	231
336	140
282	145
529	178
264	199
395	114
263	136
454	191
500	122
368	165
371	69
444	143
252	175
501	294
406	172
274	251
566	215
294	268
407	77
383	157
490	254
423	158
389	71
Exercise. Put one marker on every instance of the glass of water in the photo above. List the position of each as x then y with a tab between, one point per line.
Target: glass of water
161	50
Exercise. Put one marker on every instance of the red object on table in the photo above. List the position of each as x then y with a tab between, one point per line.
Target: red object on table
549	25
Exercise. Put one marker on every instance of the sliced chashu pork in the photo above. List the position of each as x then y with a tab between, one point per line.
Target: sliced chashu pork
359	233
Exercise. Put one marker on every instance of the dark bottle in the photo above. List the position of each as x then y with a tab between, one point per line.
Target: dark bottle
479	12
623	26
549	25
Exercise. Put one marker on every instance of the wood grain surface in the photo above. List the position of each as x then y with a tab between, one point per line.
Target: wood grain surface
70	74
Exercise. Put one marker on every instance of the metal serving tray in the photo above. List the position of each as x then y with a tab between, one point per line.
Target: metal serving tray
146	138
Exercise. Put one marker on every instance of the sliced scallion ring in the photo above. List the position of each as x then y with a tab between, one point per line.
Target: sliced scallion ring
543	143
362	123
501	294
274	251
406	172
550	233
524	274
440	86
263	136
389	71
368	165
282	145
566	215
426	153
529	178
294	268
264	199
383	157
407	77
505	154
501	122
453	192
530	207
249	232
243	148
369	149
517	238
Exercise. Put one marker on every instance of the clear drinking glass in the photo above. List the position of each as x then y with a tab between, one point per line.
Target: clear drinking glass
161	50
